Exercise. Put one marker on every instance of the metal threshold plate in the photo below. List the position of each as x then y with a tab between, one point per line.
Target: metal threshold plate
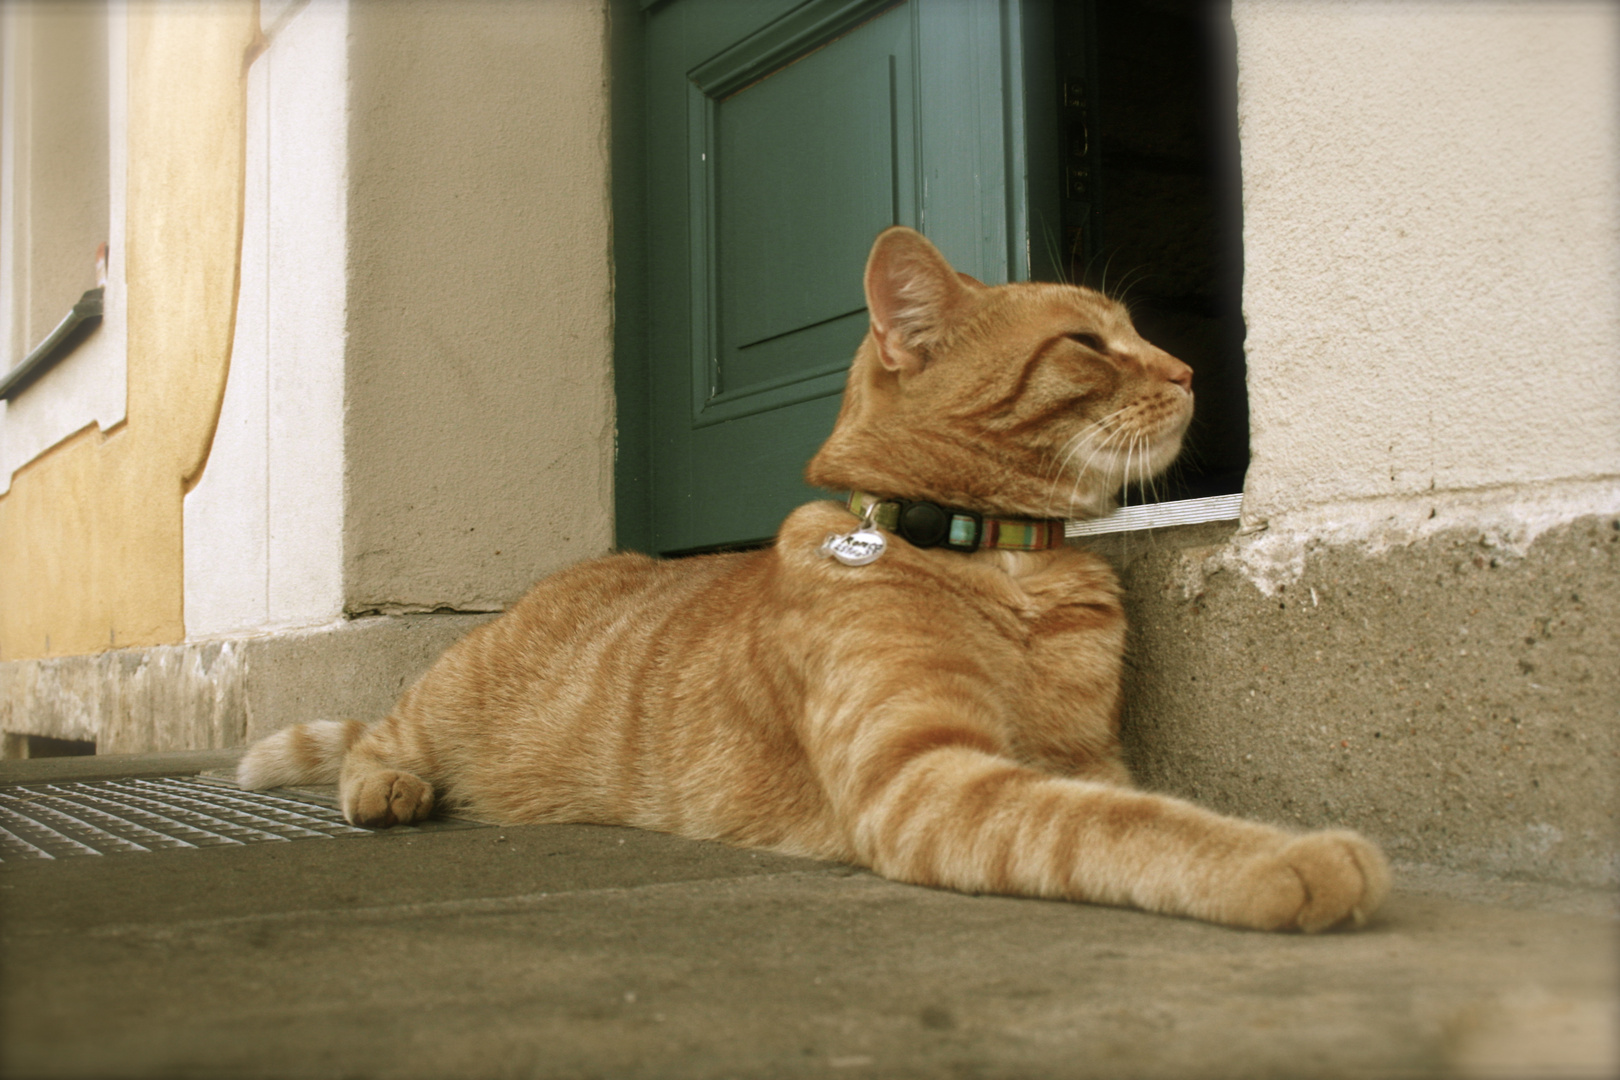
106	817
1161	515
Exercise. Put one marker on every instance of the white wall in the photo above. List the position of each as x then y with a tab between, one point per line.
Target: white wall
90	384
263	526
1432	248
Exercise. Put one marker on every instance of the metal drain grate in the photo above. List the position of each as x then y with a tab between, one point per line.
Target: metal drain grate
104	817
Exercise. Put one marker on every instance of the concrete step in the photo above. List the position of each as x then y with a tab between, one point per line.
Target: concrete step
561	951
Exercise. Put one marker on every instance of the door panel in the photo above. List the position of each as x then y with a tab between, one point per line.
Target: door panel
817	137
780	138
796	172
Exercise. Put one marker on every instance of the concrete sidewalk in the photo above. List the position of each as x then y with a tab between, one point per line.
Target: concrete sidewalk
581	951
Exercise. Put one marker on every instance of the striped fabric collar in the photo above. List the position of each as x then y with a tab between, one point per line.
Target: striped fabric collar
926	525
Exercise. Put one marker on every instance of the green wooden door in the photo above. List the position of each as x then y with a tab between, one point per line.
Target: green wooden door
778	138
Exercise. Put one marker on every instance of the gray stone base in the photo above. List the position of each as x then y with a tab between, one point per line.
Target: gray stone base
211	694
1452	698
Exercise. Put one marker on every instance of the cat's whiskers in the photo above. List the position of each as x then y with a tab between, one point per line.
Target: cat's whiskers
1073	444
1153	488
1095	447
1139	470
1104	482
1124	296
1143	473
1125	488
1103	287
1072	448
1107	474
1059	460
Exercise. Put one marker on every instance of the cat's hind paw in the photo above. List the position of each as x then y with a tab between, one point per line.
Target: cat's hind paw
387	797
1316	882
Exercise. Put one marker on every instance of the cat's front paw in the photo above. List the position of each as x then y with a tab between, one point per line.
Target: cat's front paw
1314	882
386	798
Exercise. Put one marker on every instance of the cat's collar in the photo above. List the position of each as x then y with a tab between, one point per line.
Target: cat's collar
927	524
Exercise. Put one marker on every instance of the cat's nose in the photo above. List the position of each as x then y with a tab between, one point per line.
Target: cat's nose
1169	369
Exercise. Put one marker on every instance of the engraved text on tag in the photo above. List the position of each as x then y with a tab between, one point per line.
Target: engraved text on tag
854	549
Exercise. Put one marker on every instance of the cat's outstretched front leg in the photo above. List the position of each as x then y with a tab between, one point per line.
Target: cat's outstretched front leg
939	803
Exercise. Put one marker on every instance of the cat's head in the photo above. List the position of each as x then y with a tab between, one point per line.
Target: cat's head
1028	399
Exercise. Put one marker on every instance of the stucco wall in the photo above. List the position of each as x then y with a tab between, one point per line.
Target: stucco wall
479	425
264	523
1432	246
90	532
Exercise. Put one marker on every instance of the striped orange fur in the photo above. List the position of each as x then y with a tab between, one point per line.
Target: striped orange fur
943	718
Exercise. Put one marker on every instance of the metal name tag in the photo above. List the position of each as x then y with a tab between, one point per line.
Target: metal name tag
855	549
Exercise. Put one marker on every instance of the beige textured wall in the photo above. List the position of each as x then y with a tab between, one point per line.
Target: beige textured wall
479	425
1432	244
90	546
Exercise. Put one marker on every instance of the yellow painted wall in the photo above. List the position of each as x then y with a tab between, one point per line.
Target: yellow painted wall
90	541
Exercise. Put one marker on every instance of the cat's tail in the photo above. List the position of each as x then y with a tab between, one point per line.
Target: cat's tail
302	754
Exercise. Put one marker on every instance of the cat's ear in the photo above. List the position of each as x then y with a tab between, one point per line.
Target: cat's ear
912	294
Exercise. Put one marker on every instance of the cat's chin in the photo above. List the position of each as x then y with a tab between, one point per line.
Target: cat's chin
1160	455
1094	495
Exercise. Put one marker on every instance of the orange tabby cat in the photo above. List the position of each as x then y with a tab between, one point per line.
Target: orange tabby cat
946	717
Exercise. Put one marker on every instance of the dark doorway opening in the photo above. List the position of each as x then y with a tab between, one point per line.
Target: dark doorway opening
1151	201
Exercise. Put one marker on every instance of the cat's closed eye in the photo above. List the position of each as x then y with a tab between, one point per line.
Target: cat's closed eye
1090	341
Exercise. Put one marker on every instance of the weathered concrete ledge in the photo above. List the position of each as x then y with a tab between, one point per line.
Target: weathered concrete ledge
1455	697
211	694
